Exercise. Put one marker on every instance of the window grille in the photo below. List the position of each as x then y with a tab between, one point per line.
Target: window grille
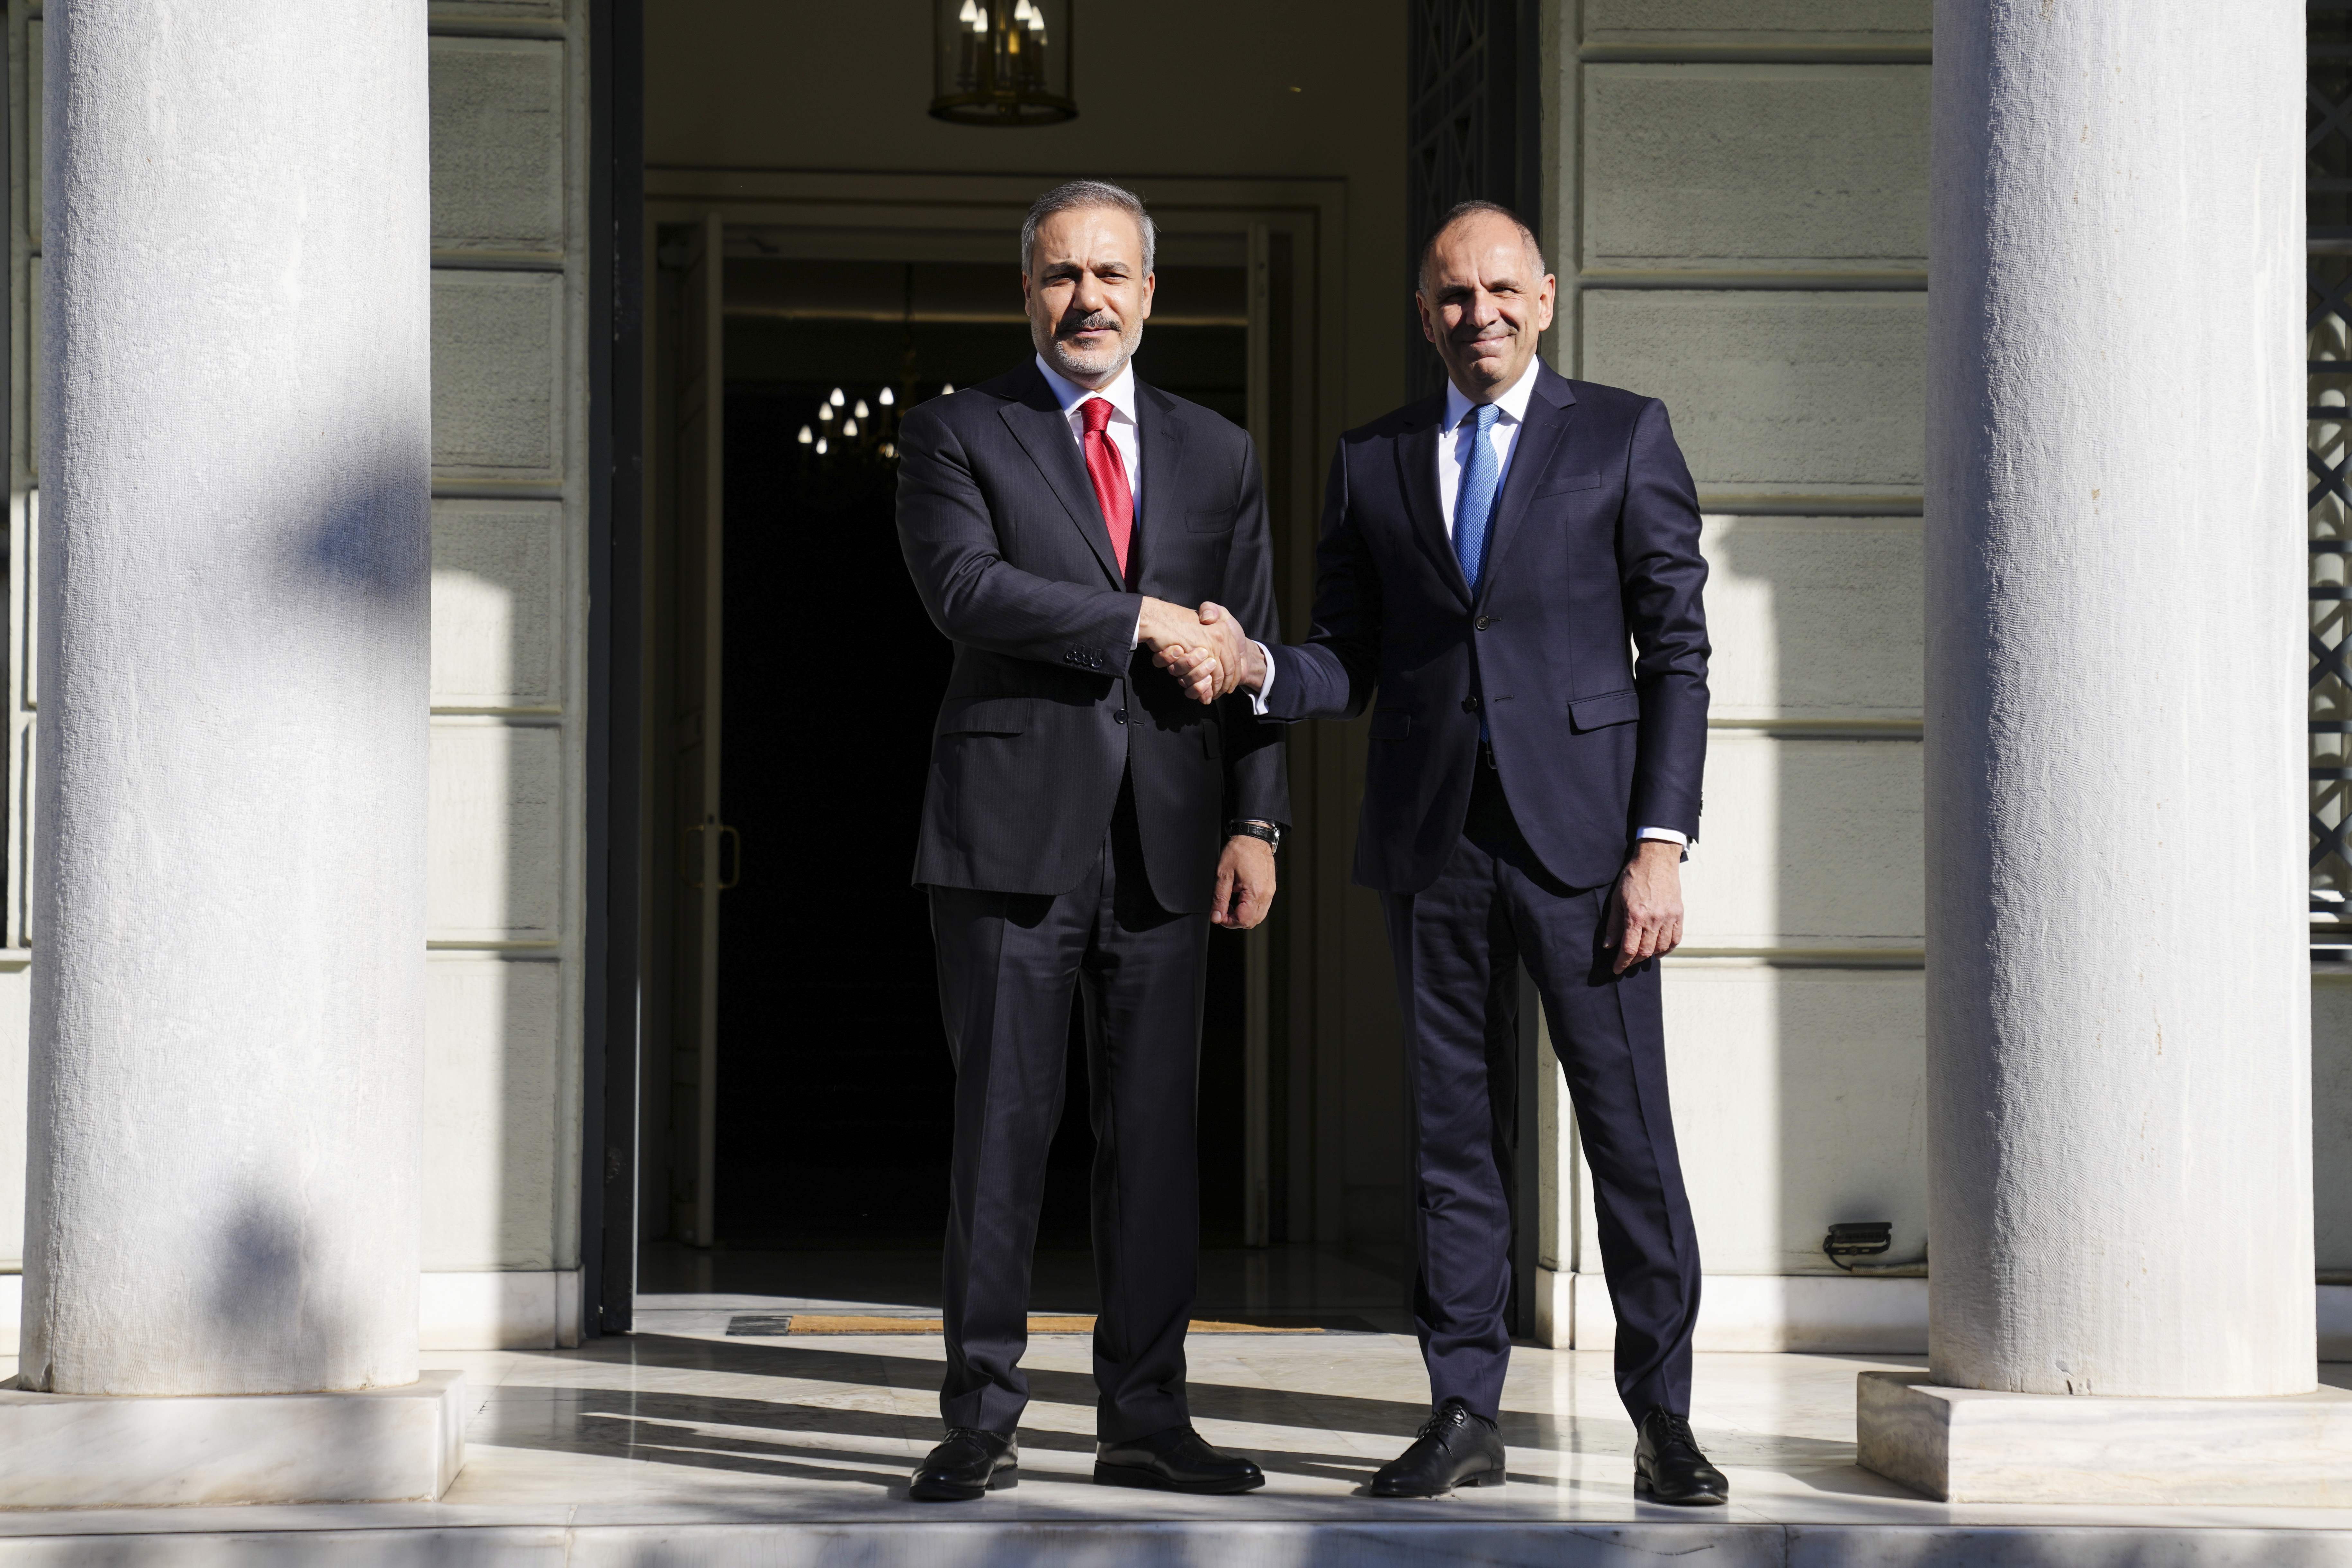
2328	173
1471	123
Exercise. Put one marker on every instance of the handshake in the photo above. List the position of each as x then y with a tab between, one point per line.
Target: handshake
1207	652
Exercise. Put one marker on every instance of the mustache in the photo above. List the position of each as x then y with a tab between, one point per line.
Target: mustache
1098	322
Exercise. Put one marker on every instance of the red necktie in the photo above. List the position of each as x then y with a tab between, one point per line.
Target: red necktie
1108	472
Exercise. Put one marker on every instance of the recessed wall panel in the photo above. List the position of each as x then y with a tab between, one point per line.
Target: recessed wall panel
497	605
1807	845
1814	618
498	146
1764	17
495	1112
441	11
1805	167
1775	394
498	401
495	840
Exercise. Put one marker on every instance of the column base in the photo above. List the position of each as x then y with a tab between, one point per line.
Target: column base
380	1444
1971	1445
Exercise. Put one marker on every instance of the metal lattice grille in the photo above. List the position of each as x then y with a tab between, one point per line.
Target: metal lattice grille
2328	148
1470	121
1447	121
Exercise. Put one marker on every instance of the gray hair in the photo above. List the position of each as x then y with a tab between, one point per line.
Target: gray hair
1472	209
1087	193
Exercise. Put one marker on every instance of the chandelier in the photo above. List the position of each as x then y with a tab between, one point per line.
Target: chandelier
1001	62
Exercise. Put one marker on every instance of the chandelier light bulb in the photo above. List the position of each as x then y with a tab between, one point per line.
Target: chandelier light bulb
860	411
849	429
992	64
836	399
806	436
820	446
946	389
825	411
885	399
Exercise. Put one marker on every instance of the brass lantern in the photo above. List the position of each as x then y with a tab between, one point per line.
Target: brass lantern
1001	62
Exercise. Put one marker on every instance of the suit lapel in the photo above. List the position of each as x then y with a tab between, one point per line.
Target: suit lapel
1531	455
1162	433
1037	421
1416	450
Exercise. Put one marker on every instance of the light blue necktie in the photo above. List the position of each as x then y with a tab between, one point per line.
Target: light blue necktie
1474	508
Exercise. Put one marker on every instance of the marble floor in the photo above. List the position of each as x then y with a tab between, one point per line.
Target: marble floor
781	1449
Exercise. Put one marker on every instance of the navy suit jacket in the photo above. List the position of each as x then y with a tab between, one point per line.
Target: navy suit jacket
1586	642
1047	708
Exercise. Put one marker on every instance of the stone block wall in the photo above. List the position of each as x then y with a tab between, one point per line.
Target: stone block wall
1739	222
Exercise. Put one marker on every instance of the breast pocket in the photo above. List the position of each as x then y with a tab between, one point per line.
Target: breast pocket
1216	520
1560	484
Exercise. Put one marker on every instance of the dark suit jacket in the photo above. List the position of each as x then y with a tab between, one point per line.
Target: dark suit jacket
1595	545
1047	707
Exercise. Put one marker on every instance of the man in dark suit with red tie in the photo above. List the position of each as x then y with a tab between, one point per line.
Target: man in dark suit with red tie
1509	577
1084	825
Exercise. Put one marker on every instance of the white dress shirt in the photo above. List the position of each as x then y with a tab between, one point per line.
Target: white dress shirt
1453	455
1454	450
1124	432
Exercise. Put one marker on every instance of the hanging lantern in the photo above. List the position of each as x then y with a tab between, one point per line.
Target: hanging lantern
1001	62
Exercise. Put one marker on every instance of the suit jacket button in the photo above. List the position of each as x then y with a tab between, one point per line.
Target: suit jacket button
1485	621
1469	705
1120	716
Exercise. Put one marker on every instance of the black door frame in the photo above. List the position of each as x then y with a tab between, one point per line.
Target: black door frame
613	1026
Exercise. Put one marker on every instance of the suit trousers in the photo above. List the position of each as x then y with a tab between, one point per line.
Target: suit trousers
1458	946
1008	965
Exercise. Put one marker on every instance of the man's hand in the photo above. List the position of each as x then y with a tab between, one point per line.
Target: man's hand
1222	642
1244	883
1644	919
1179	646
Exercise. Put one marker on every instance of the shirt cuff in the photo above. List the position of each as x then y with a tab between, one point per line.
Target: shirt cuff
1136	639
1257	698
1668	834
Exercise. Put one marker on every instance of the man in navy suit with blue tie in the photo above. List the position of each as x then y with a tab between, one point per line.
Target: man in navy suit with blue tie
1509	578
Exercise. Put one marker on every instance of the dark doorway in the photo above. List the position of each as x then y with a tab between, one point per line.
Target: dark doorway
833	1079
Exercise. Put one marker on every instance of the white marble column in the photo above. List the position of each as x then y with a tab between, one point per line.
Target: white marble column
228	932
2119	1069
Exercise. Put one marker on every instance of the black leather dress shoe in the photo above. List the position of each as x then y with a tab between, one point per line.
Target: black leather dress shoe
1174	1460
1668	1467
1454	1448
970	1463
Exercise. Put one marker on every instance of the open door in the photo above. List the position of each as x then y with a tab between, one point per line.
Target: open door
698	835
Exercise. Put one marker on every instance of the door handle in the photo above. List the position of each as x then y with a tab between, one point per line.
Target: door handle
688	854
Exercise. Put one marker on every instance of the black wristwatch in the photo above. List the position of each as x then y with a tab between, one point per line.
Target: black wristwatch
1268	831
